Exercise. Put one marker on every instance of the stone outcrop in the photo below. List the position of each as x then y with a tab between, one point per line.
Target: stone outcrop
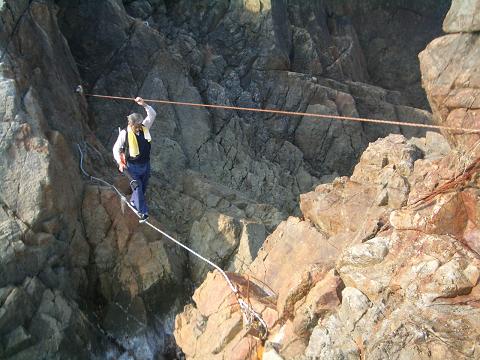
44	253
449	74
69	286
396	278
406	271
462	17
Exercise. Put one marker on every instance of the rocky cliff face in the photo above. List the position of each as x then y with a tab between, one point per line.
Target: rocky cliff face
449	72
398	277
388	52
43	247
79	278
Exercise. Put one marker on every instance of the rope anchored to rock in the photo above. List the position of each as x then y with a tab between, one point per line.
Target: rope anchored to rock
254	323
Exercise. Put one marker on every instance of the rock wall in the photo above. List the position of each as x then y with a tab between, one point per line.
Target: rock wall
399	279
71	278
44	253
449	73
234	53
78	277
389	54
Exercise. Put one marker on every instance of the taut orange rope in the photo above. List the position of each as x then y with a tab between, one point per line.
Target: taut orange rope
294	113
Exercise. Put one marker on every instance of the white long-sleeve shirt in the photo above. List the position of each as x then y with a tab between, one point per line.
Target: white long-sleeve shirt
122	136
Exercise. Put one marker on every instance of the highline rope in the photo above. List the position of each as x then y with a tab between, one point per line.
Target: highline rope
295	113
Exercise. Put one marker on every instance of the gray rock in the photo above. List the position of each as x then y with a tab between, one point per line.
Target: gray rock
16	309
433	145
4	292
371	252
328	144
450	280
391	55
215	236
463	16
251	239
325	343
139	9
17	340
306	59
354	305
415	116
123	320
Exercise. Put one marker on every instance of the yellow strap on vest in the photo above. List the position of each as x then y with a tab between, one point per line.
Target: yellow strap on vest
132	141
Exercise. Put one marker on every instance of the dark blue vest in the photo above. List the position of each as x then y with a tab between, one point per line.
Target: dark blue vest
143	146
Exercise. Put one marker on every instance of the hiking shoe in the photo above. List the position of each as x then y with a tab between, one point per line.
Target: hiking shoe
143	217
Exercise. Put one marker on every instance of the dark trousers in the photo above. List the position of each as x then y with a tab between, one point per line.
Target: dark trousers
141	173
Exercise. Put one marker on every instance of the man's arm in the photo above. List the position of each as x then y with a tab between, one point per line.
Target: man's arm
119	144
151	114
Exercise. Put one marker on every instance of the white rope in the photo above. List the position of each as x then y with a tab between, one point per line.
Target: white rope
248	312
230	284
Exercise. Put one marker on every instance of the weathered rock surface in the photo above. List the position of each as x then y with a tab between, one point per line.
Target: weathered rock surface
44	253
53	249
211	58
404	282
81	279
463	17
449	74
387	52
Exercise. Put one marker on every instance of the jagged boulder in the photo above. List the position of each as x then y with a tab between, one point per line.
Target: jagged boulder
290	280
462	17
449	76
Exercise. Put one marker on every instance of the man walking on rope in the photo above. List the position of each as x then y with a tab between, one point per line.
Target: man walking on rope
132	151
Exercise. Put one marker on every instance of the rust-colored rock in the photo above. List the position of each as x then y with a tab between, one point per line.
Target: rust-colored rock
451	81
399	265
